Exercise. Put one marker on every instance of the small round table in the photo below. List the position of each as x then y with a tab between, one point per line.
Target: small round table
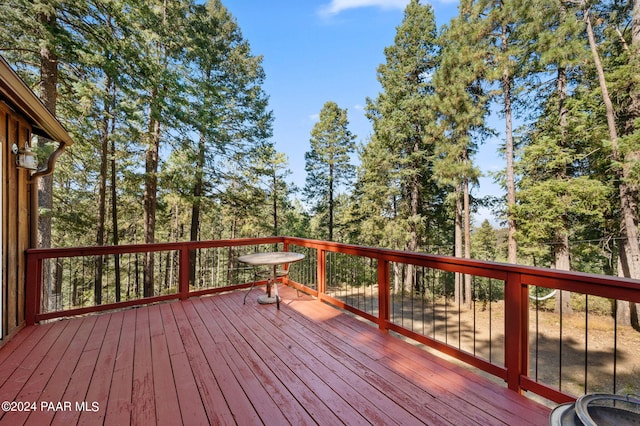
274	259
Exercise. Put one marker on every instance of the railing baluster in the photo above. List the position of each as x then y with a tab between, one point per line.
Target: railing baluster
330	263
516	329
383	294
183	272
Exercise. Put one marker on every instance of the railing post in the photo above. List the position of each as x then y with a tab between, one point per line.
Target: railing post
516	330
322	273
383	294
183	274
33	288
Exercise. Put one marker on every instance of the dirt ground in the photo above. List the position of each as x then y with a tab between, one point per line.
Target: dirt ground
576	353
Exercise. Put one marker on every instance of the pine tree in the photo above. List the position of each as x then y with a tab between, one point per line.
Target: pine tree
463	108
374	196
495	29
549	159
227	108
328	163
405	127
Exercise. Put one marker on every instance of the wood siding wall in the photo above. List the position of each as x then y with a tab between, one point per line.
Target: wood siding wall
16	211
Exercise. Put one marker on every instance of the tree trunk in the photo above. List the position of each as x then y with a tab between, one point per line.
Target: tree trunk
198	189
457	250
331	206
114	210
623	307
102	193
633	115
49	96
562	262
467	236
275	200
561	253
633	109
628	192
150	200
507	80
414	218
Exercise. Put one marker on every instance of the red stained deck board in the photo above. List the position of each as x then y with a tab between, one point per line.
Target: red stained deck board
419	401
275	388
41	365
143	401
423	402
103	369
500	403
358	393
189	401
213	360
81	377
236	399
26	355
15	343
164	387
257	396
118	408
380	389
274	370
315	382
57	384
213	400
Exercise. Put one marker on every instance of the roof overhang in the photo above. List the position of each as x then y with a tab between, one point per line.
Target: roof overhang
21	98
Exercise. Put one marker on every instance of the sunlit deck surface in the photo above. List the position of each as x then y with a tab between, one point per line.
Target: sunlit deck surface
213	360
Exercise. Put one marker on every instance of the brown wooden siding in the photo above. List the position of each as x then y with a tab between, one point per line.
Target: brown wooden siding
16	213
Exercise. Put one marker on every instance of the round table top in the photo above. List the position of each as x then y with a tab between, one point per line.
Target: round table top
271	258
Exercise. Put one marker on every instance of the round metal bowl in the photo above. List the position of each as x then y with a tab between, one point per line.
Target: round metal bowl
597	410
605	409
564	415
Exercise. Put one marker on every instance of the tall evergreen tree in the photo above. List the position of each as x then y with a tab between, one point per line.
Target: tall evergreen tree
328	163
494	28
551	156
228	108
375	195
613	33
405	125
463	108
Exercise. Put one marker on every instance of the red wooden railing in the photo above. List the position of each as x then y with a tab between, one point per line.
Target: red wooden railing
320	277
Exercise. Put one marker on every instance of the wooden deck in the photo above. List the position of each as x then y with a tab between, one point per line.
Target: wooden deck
213	360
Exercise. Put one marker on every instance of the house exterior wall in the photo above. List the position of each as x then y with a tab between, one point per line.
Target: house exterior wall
16	213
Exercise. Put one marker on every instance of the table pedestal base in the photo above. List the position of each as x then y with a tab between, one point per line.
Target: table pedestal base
266	300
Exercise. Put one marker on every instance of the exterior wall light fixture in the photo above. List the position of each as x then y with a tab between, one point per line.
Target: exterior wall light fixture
25	158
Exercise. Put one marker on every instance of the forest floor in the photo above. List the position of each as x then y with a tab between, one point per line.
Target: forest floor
576	353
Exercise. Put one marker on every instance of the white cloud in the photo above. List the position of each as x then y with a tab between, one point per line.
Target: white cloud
337	6
358	107
314	117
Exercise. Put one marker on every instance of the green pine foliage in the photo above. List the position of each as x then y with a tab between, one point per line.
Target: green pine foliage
328	166
173	130
405	131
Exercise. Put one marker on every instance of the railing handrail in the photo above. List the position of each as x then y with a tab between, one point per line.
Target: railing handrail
517	279
485	268
149	247
556	278
35	257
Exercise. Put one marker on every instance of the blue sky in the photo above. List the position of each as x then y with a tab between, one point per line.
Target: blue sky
326	50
